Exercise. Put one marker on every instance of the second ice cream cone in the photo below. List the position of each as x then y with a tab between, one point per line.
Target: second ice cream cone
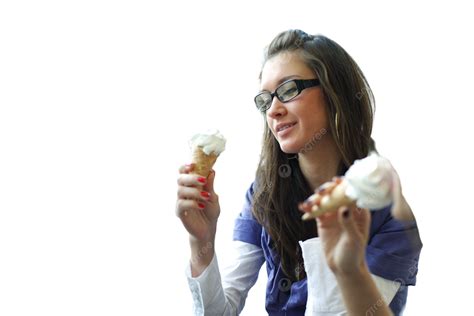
330	202
368	183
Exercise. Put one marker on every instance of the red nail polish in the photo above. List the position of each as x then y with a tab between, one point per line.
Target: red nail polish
205	194
201	205
202	179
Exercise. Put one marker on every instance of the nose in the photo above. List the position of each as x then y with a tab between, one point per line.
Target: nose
277	108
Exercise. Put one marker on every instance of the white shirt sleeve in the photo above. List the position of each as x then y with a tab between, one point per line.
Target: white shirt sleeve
324	296
211	296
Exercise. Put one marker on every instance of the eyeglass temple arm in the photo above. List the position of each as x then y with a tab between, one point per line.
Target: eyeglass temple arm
308	83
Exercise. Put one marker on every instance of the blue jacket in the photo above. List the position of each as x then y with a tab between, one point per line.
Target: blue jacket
392	253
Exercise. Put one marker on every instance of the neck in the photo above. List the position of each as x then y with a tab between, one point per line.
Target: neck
320	164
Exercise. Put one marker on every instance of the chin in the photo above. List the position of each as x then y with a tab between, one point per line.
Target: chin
289	148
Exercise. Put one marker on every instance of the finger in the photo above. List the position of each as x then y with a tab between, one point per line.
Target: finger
305	206
310	201
326	188
323	187
362	220
187	168
184	206
190	193
209	186
191	180
347	222
318	199
361	215
315	199
311	207
360	212
326	220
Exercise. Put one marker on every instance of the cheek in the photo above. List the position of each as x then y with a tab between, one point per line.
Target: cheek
314	114
318	117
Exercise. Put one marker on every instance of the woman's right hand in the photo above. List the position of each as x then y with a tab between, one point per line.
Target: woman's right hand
197	205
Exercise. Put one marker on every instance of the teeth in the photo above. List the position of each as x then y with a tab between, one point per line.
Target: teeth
284	127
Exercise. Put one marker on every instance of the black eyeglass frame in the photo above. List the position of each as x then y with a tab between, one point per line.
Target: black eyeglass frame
301	84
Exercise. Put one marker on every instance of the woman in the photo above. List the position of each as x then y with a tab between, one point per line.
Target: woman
318	109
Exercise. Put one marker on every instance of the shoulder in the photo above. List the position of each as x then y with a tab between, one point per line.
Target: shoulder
383	222
248	201
394	247
247	228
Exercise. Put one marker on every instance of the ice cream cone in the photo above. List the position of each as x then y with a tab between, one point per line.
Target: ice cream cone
205	148
330	202
202	162
368	183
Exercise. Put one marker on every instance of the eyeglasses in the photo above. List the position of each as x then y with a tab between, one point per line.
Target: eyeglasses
285	92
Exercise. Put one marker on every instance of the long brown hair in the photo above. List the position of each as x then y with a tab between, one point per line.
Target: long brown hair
280	184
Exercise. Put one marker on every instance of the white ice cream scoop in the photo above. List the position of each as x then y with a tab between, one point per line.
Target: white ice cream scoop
210	141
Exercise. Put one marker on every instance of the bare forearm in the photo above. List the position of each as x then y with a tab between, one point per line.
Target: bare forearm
361	295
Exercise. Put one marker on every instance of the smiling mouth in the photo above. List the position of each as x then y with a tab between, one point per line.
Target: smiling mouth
282	128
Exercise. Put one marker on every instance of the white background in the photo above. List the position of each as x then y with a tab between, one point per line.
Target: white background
99	98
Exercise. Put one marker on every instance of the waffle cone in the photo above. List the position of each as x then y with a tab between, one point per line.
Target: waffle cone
203	163
331	202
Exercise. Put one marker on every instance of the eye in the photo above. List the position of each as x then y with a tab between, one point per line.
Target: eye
288	91
291	92
262	100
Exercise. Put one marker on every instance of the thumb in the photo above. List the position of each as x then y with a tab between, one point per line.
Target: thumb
209	187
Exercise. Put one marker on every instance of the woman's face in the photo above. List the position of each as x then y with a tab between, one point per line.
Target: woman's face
296	122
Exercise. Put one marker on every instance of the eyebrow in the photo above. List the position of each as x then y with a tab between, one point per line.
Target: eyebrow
283	79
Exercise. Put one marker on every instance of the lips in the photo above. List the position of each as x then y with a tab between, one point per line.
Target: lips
283	126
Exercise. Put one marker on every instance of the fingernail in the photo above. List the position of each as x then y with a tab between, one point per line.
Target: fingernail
346	213
205	194
188	164
303	205
201	205
202	179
